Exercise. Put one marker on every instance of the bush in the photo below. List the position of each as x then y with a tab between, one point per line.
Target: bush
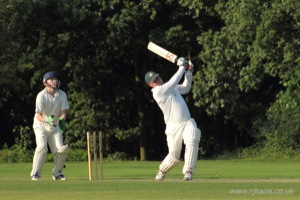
118	156
7	155
75	155
12	155
279	134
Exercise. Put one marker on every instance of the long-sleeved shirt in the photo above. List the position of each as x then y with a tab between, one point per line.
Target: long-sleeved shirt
169	98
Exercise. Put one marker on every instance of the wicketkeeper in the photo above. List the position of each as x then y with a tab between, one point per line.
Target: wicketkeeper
180	127
49	124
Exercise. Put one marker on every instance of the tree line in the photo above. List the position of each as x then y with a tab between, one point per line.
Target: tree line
245	87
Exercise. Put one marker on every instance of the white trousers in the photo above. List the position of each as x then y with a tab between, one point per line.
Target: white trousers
52	137
186	133
43	136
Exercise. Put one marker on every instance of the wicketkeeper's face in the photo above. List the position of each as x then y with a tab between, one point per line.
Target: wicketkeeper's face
52	82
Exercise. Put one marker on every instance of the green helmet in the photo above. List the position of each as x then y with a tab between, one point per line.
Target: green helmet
150	77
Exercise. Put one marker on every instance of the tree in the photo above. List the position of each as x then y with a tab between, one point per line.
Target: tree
277	48
248	63
244	86
14	92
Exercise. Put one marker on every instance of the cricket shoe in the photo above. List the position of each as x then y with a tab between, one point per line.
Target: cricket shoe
160	175
59	177
35	177
188	176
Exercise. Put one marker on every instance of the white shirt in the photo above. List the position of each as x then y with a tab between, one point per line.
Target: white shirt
49	105
169	99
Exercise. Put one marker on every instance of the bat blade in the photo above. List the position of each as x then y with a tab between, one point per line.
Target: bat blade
162	52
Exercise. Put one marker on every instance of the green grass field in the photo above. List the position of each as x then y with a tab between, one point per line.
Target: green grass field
213	179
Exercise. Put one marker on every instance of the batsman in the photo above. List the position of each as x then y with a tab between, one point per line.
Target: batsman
180	127
49	124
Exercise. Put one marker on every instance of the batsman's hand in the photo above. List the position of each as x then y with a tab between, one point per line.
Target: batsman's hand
190	66
183	62
62	124
49	120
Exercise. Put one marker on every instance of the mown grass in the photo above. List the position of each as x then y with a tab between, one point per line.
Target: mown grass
213	179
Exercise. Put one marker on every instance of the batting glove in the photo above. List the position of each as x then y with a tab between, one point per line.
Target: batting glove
190	66
181	61
62	124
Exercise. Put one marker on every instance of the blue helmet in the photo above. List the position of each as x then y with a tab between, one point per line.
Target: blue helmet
49	75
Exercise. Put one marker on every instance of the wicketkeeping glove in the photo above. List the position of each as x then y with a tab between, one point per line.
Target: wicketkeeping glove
62	124
49	120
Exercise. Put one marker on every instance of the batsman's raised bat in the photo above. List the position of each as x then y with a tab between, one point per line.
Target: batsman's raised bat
162	52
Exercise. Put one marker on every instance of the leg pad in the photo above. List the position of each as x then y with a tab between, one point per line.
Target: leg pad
59	160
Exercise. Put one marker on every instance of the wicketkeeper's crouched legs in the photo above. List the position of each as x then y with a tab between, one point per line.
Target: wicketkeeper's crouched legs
59	160
191	140
39	159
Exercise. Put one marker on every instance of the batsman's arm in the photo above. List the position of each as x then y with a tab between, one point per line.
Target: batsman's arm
169	86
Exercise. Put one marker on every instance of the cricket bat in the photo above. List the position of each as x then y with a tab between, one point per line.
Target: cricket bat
162	52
